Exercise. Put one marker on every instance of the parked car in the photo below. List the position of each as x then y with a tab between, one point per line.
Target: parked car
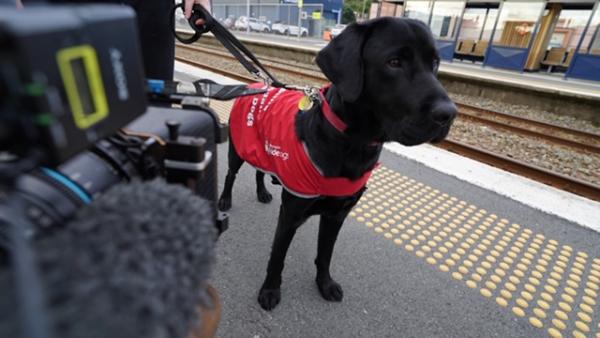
293	30
228	22
259	25
337	30
256	25
241	23
280	28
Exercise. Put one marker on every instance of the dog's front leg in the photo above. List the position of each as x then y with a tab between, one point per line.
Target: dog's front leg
329	227
293	212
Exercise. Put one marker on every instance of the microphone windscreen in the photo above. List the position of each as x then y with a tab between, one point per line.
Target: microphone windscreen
134	263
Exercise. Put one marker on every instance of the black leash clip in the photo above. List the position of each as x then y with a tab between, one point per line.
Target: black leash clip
198	12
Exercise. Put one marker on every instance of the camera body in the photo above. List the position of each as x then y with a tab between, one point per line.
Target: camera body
73	93
69	77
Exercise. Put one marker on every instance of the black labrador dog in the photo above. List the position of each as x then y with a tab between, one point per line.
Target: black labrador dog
384	88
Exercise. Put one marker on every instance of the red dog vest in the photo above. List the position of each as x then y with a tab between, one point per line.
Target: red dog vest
263	133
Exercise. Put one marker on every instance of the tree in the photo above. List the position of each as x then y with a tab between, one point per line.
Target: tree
348	15
358	6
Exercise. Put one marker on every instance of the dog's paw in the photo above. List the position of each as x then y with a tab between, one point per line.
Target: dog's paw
264	196
330	290
269	298
224	204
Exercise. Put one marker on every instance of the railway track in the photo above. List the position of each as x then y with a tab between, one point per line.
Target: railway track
547	132
294	69
531	128
528	127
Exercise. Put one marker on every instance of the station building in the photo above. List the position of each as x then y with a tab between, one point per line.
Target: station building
556	36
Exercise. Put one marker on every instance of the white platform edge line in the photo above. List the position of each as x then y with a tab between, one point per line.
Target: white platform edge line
553	201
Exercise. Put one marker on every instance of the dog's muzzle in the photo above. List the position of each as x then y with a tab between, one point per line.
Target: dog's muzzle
443	113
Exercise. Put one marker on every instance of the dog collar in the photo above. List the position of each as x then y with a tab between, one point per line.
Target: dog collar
330	116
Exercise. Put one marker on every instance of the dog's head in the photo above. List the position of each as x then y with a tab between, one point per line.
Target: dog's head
390	66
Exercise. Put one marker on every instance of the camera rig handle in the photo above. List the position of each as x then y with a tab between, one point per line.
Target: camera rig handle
186	161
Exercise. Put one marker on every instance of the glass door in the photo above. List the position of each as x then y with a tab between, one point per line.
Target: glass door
475	32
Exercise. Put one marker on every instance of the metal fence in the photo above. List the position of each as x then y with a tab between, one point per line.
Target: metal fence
284	19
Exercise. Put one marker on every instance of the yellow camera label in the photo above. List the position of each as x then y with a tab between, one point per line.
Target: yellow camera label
80	72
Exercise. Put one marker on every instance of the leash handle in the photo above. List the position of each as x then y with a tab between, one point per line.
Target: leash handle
198	30
228	40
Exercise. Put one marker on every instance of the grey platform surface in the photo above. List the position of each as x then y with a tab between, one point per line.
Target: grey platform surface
391	291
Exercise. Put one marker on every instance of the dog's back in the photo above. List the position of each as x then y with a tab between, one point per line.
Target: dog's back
263	134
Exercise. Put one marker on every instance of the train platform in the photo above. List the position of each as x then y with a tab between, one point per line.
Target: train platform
550	84
439	246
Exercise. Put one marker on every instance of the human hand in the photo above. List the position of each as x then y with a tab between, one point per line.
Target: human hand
188	8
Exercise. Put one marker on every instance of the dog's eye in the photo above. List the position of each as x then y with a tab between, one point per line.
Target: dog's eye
394	63
435	65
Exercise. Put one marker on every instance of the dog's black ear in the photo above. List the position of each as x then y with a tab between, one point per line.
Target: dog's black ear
341	61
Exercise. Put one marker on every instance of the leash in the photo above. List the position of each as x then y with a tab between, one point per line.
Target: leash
312	95
228	40
240	52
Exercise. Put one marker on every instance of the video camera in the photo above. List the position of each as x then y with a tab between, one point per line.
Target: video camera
77	117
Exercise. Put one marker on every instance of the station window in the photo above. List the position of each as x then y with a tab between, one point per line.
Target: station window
475	32
390	9
569	28
478	23
445	19
399	11
566	35
385	8
516	23
374	11
591	41
418	10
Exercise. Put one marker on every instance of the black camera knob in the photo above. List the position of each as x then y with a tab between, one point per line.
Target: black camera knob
173	127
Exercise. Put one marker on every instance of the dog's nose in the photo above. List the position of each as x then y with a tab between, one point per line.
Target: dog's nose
444	113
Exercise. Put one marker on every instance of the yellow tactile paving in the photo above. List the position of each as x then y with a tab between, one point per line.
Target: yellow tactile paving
553	286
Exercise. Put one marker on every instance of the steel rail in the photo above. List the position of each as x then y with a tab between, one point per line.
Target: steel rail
235	76
488	114
588	190
286	68
528	132
223	53
553	127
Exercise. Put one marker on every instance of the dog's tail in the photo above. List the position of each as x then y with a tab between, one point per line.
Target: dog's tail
133	264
